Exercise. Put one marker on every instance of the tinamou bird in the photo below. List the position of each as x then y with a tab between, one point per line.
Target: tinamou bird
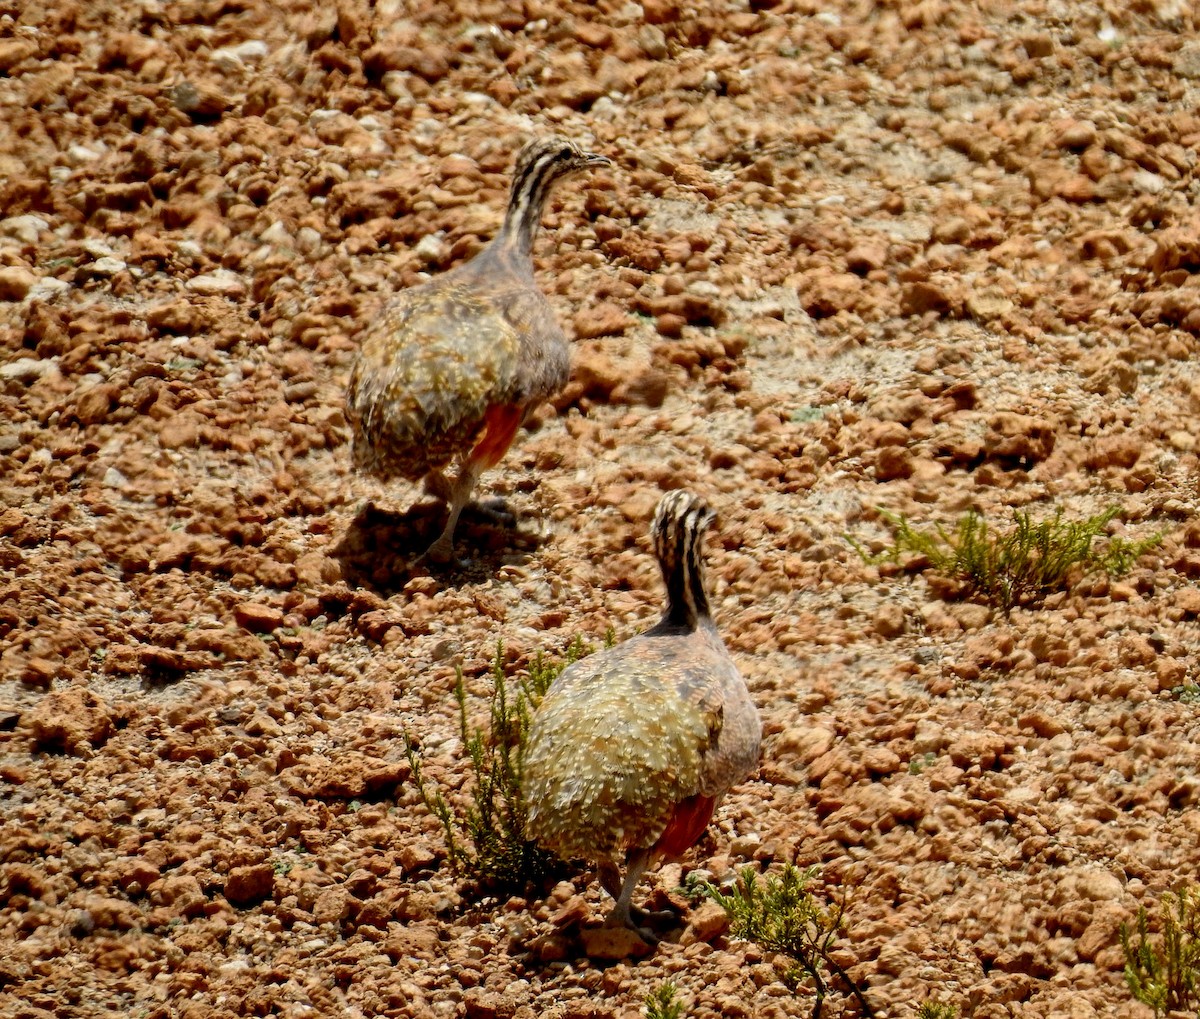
451	368
633	747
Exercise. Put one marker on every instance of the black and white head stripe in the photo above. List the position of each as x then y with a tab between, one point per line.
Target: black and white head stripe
678	533
539	165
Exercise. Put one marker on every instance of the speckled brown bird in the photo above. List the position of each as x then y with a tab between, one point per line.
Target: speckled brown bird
633	747
450	369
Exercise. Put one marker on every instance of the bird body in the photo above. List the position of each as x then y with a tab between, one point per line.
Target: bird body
450	368
633	747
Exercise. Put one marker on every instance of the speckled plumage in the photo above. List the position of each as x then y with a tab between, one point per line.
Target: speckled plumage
625	737
450	368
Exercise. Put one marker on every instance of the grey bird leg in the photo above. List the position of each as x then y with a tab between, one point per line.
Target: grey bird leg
624	913
442	550
495	509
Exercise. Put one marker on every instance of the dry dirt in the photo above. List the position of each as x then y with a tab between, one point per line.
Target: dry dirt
919	256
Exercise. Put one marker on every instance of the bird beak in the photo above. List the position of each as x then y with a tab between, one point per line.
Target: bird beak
595	159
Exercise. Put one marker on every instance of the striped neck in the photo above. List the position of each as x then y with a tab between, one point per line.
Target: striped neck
540	165
679	526
525	206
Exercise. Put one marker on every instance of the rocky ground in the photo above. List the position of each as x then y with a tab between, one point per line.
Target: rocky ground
923	257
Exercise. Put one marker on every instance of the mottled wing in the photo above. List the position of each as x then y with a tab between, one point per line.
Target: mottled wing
545	356
612	750
733	754
428	371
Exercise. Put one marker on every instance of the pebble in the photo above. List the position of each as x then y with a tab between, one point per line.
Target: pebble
220	283
235	58
106	266
27	229
16	282
28	369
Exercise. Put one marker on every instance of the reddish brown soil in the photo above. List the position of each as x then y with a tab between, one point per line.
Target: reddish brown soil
919	256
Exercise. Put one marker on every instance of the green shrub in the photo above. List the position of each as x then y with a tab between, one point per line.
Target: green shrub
663	1003
1020	566
485	839
1166	974
780	914
936	1010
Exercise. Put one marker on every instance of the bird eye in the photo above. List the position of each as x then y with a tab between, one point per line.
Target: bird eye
566	153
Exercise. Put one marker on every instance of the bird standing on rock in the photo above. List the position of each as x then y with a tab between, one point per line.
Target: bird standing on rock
451	368
633	747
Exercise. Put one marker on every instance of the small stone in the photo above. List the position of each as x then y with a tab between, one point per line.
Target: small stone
75	720
179	431
613	943
416	855
1187	599
806	743
93	406
219	283
106	266
245	886
15	282
79	155
571	913
1098	885
201	102
923	296
39	672
893	463
235	58
13	51
431	249
890	621
866	257
823	294
706	923
605	319
1077	134
332	906
28	369
1021	437
648	387
881	761
983	305
26	229
258	618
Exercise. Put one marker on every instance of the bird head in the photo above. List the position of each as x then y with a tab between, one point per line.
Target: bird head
551	158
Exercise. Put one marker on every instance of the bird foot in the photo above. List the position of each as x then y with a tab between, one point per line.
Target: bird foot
441	553
630	924
636	920
655	916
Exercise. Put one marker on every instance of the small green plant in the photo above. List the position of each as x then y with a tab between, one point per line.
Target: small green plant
485	840
663	1002
1165	974
918	764
1186	693
780	914
1020	566
936	1010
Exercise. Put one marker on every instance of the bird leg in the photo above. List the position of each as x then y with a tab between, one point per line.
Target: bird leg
441	488
624	913
442	550
500	428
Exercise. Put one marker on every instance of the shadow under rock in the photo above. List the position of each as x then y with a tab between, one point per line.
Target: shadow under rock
383	550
